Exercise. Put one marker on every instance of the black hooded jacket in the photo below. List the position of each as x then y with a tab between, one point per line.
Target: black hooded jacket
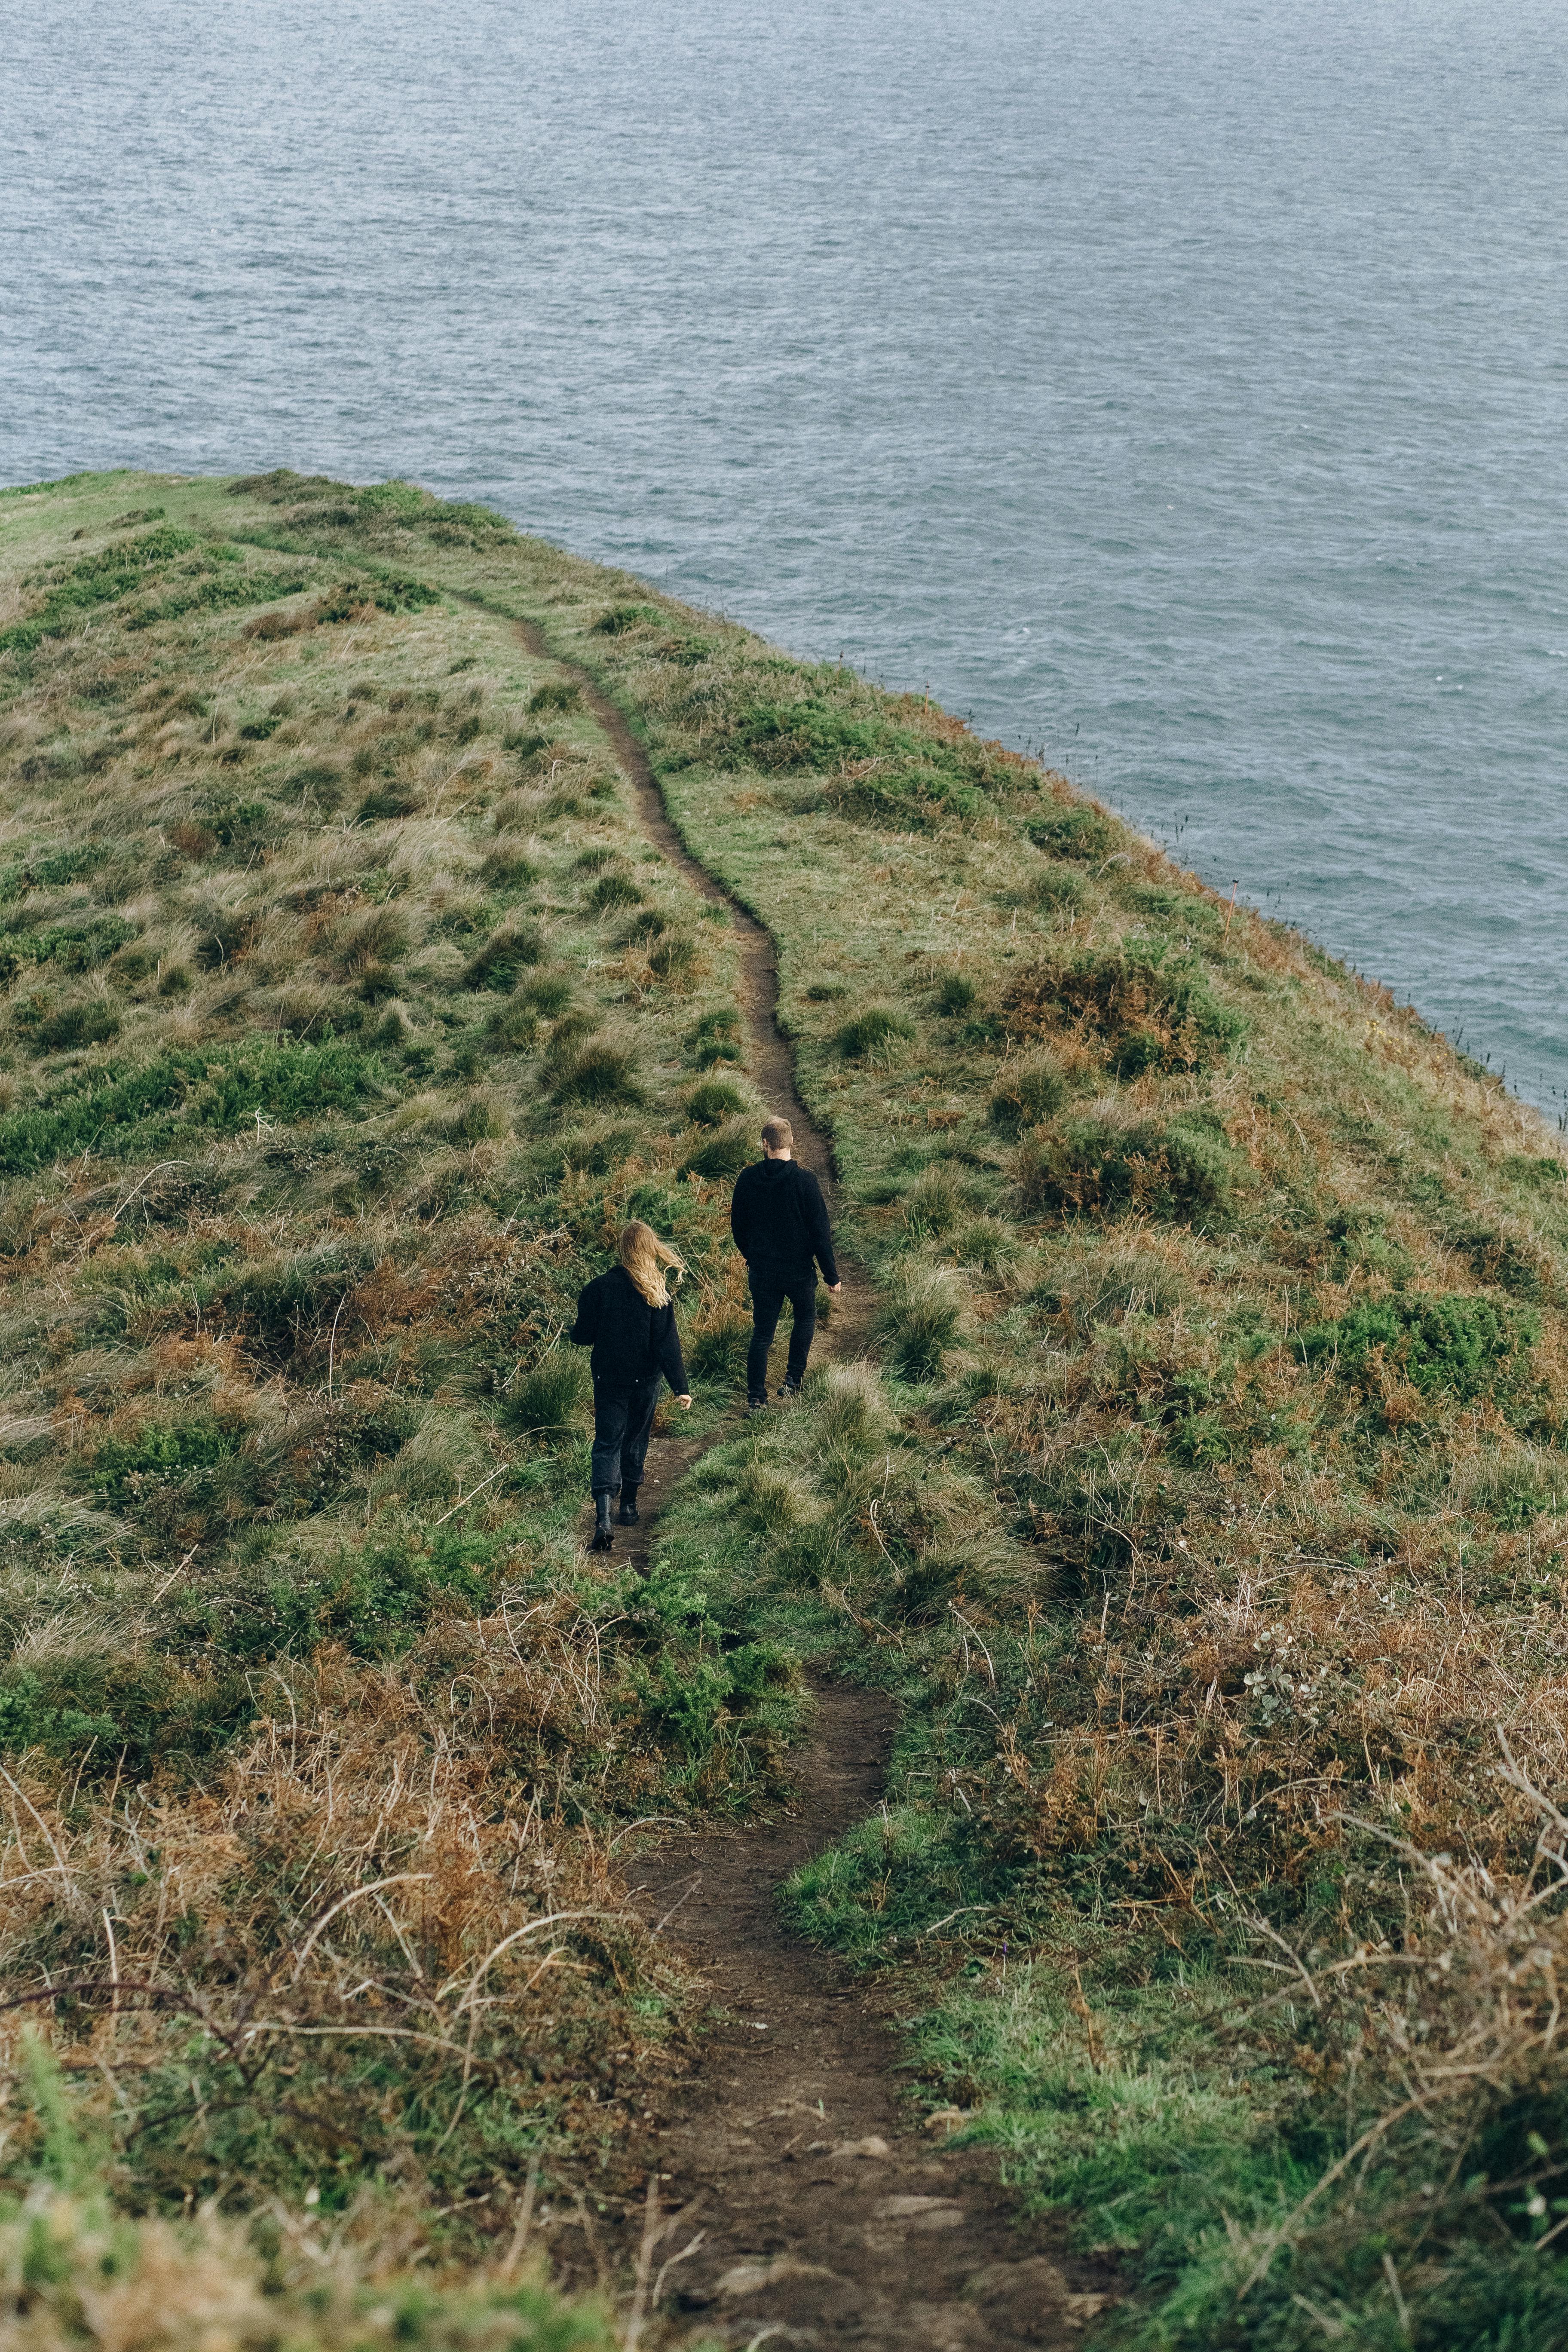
631	1339
779	1220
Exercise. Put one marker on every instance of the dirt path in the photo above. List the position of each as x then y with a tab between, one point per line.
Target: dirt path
822	2218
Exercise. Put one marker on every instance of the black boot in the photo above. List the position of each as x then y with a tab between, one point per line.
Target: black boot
603	1539
628	1514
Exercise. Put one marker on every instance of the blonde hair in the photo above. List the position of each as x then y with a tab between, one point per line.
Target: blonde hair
644	1257
777	1134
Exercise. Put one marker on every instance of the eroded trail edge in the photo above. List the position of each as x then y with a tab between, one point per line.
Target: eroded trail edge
791	2201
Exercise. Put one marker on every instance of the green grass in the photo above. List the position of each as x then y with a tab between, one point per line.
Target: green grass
1203	1506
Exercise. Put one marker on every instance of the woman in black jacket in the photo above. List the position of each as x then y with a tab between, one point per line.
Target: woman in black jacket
626	1317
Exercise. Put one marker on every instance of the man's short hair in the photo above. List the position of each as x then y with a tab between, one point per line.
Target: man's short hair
778	1134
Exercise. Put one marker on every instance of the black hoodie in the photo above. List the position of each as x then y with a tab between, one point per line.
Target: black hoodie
629	1338
780	1220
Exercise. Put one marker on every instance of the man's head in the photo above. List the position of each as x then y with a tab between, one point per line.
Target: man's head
778	1139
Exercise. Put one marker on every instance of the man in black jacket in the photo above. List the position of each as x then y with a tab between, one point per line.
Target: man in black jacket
780	1223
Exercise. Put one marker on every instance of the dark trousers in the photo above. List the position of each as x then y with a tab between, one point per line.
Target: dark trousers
623	1419
769	1291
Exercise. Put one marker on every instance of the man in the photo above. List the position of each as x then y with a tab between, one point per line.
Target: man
780	1223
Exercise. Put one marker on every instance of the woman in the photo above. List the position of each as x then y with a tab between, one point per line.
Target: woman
627	1318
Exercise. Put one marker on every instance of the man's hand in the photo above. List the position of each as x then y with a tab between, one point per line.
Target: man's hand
684	1402
833	1288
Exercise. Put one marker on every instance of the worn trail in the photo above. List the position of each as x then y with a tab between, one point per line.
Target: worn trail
821	2216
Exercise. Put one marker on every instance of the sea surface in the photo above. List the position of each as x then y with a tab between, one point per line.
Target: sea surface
1177	386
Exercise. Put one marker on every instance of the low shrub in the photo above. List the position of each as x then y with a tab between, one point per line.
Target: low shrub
513	1026
1439	1341
716	1038
72	1027
1180	1168
508	867
1151	1004
873	1032
1074	829
1056	891
955	992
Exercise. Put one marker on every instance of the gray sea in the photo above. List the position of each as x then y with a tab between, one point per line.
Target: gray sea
1177	386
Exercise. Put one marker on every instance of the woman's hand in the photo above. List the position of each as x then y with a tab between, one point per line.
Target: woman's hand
684	1402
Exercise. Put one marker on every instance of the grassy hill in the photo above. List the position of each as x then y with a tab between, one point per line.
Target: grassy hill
1205	1506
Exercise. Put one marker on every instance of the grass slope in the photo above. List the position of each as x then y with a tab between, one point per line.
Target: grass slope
1206	1511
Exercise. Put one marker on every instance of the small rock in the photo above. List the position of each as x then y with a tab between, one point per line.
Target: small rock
946	2120
904	2208
872	2146
750	2277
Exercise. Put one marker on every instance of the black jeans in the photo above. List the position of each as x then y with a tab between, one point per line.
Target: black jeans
623	1418
769	1291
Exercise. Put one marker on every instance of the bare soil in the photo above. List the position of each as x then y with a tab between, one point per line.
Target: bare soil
790	2197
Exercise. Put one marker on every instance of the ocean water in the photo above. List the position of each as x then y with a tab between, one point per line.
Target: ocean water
1177	386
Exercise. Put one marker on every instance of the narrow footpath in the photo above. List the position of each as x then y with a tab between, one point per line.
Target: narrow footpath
794	2202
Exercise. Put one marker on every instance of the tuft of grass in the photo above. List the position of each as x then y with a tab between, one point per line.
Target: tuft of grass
921	1321
724	1152
551	1400
713	1102
1030	1090
873	1031
505	954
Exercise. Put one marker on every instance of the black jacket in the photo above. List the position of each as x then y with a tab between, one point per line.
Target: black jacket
780	1220
631	1339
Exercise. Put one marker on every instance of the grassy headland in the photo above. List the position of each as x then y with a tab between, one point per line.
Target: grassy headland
1205	1509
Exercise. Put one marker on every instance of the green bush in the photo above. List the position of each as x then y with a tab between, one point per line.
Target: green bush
1057	890
622	617
503	955
71	947
1441	1341
550	1401
710	1104
1027	1092
872	1032
934	1201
